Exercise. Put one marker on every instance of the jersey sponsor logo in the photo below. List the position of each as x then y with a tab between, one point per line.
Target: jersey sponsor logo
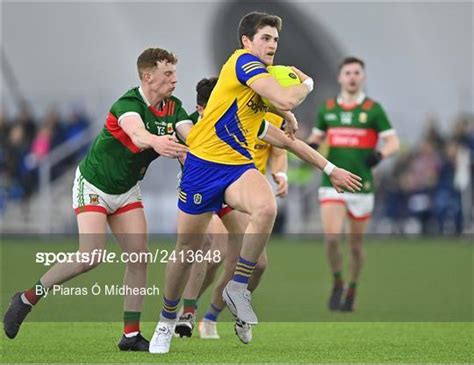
346	117
352	137
197	198
363	117
330	117
257	107
93	199
252	66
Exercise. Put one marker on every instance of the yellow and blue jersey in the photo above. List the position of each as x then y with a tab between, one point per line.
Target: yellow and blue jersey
228	132
262	148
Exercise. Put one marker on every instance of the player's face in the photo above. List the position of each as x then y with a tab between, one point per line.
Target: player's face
264	44
162	79
351	78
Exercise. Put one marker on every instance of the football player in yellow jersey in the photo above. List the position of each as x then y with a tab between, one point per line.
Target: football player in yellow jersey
219	167
226	221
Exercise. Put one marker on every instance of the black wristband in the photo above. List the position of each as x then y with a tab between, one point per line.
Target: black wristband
374	159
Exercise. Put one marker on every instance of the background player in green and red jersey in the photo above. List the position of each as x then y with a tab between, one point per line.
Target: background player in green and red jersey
138	129
352	124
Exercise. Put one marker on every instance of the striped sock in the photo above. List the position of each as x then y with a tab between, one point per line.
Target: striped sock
189	306
243	271
33	295
170	307
131	323
338	279
212	313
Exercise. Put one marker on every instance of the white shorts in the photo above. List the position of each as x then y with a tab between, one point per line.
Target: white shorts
87	198
359	206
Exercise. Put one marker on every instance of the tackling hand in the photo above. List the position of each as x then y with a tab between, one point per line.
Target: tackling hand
168	146
344	180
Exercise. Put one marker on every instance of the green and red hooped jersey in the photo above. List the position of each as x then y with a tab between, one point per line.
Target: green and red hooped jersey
352	134
114	164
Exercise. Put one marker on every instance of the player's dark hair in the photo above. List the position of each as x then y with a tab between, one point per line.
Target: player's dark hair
251	23
149	58
349	60
204	89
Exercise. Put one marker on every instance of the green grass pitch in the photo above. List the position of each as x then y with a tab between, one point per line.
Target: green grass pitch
415	305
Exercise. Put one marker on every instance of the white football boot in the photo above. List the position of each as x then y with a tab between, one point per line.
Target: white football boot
161	341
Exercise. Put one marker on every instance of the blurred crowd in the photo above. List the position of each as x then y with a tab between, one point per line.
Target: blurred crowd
26	140
431	184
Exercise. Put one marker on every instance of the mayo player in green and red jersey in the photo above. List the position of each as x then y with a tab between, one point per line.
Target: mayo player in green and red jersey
138	129
352	123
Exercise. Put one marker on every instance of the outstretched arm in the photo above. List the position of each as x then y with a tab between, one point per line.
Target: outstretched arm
167	145
340	178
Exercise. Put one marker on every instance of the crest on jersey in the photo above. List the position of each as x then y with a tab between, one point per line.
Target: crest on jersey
363	117
169	128
197	198
93	199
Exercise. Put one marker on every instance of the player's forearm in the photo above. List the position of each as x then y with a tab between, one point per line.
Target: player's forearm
278	160
391	146
306	153
294	96
141	138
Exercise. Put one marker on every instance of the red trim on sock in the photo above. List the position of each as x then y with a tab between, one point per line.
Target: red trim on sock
131	326
351	292
31	296
190	309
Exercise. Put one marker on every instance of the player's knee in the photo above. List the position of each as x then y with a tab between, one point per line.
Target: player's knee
357	251
332	241
138	260
266	212
190	242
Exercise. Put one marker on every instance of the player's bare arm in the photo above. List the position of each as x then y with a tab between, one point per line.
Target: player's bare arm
340	178
391	145
183	130
279	167
283	98
166	146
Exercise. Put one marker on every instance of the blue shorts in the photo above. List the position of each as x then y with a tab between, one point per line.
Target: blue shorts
203	184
